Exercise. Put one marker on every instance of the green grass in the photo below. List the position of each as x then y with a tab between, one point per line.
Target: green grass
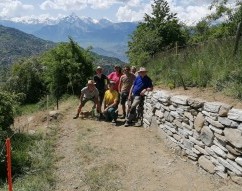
32	162
211	64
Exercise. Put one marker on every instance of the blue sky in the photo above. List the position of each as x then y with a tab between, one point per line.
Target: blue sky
188	11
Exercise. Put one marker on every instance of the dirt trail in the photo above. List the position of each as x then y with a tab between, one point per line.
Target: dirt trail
95	155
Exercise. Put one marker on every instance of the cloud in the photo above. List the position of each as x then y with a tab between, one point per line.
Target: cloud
67	5
191	14
13	8
64	4
134	10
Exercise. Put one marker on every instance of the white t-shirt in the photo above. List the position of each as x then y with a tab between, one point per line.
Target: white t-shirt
89	94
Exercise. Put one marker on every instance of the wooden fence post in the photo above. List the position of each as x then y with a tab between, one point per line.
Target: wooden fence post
9	165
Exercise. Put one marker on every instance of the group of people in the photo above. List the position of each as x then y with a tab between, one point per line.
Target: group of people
116	88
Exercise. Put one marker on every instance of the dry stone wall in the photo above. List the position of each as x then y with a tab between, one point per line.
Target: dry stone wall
210	133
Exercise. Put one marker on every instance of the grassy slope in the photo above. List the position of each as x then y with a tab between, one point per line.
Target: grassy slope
211	64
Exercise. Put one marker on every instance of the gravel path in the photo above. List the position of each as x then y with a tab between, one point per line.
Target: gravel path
95	155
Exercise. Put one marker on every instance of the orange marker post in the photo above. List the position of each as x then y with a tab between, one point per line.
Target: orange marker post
9	165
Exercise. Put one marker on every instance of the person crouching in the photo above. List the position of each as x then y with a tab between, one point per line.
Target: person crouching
111	98
88	93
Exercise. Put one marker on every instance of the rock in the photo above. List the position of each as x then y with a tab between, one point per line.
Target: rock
214	123
222	174
224	109
206	164
189	116
213	116
231	156
177	123
201	150
216	130
232	150
158	105
187	144
199	121
163	96
195	103
219	144
184	132
212	106
225	121
221	138
177	137
199	143
159	113
218	151
239	160
235	165
206	136
210	151
193	112
235	114
229	166
179	99
189	127
174	114
55	114
234	136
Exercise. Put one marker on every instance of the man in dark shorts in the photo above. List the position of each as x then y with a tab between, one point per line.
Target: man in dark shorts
101	81
125	83
88	93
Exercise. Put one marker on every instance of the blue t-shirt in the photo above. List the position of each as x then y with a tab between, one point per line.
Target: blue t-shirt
140	84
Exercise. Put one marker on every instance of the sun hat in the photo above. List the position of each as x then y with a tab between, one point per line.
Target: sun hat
142	69
90	82
99	67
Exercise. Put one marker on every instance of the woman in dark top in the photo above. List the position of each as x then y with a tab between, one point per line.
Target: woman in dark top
101	81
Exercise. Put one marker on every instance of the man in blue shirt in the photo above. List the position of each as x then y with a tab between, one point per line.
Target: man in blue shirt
141	85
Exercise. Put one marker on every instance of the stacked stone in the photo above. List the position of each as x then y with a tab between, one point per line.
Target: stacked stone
208	132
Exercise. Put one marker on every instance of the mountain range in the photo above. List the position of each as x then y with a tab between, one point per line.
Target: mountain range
105	37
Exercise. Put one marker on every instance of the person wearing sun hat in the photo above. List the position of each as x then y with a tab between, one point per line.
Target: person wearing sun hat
141	85
88	93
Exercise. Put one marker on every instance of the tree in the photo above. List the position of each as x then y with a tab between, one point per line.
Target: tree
159	31
67	68
26	78
7	102
230	16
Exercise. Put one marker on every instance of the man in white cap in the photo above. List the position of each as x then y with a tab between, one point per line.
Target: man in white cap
141	85
88	93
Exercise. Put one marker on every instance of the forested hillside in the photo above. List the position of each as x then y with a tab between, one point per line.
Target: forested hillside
16	44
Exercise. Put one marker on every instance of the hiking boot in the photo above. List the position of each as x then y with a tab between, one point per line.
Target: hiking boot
126	124
123	116
114	122
75	117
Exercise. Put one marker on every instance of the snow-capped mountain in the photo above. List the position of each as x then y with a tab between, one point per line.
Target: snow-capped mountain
100	34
